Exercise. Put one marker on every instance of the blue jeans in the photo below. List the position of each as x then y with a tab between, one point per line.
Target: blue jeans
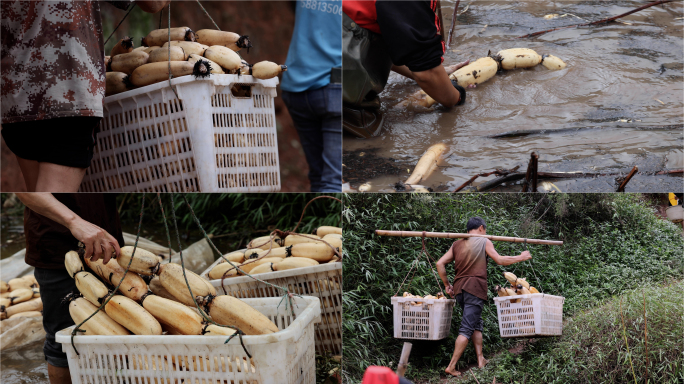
317	115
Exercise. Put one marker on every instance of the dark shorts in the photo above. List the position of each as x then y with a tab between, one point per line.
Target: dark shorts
67	141
471	320
55	284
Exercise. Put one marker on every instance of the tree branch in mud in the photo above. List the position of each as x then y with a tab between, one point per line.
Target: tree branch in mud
670	172
453	24
498	172
626	180
602	21
507	176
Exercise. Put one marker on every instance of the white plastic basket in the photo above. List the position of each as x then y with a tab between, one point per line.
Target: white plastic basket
323	281
284	357
430	320
210	140
534	315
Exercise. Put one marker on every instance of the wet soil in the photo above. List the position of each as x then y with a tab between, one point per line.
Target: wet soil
618	103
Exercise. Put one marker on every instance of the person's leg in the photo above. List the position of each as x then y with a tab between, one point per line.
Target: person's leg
58	375
461	344
477	342
308	125
331	178
66	154
471	321
58	178
54	286
29	170
21	140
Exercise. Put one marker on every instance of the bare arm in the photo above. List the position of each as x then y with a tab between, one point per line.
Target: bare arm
98	243
404	71
436	83
441	269
505	260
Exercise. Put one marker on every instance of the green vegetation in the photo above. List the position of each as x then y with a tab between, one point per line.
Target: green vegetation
613	244
235	217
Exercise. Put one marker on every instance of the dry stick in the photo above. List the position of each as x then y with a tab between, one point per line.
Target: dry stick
449	235
498	172
624	333
622	186
535	159
670	172
471	372
475	177
528	174
602	21
645	335
453	24
491	184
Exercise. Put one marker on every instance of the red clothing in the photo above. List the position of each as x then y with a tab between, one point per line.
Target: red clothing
363	13
411	30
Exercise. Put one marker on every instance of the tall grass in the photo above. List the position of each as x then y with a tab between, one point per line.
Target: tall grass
237	216
613	242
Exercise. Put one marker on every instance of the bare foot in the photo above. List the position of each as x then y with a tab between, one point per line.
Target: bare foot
453	372
482	362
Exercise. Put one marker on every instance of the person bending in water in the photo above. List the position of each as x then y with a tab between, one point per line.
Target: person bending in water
470	258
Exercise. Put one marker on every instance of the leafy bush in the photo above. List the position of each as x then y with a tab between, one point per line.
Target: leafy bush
593	350
613	242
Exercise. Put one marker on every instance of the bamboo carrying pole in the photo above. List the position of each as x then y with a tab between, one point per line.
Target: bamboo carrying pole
447	235
403	360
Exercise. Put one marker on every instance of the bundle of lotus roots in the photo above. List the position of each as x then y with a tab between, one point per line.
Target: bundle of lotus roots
200	53
163	306
20	297
419	299
519	286
485	68
269	254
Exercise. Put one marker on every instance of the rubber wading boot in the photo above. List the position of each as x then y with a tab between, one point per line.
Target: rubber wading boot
362	122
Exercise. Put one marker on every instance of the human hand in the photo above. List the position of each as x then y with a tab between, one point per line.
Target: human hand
450	290
98	243
525	255
152	6
453	68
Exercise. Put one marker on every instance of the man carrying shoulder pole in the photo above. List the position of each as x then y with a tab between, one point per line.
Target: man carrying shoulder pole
470	256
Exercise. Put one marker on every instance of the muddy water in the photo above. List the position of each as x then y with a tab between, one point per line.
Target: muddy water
604	113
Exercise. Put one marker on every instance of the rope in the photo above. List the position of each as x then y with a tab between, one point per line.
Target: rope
168	235
120	22
424	250
213	246
161	14
430	263
238	332
209	16
135	246
532	268
307	206
169	58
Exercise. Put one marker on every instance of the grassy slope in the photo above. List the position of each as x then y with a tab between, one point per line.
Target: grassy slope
612	244
592	348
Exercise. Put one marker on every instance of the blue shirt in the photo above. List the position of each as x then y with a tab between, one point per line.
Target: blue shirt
316	45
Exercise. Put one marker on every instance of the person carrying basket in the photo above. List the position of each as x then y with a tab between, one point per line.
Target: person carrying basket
470	256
